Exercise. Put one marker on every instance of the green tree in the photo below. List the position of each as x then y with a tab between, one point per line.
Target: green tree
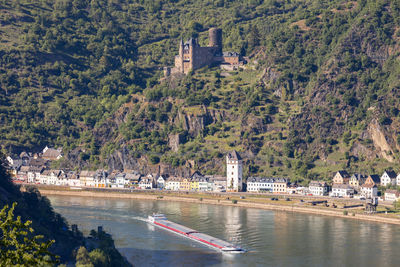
98	258
83	258
19	247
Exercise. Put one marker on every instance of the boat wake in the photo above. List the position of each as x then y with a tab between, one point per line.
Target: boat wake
140	218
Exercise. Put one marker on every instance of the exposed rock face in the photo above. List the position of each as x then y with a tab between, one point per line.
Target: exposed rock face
174	140
254	124
380	142
360	150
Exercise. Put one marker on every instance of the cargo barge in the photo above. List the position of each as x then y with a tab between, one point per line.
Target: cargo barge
161	221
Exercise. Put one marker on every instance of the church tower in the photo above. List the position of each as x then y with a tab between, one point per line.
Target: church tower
234	172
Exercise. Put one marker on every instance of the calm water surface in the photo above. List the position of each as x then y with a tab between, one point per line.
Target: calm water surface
271	238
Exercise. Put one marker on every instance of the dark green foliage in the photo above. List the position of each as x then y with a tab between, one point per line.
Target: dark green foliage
154	159
85	74
19	245
19	242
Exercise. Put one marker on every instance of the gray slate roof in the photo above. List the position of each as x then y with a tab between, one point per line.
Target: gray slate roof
233	155
391	174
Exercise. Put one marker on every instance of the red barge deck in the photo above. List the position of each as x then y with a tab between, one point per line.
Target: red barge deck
161	221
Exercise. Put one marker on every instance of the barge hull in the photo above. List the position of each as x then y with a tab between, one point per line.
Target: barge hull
194	235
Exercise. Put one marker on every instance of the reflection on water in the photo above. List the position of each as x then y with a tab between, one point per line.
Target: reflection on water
272	238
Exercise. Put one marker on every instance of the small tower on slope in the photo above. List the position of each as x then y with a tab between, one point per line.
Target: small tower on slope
234	172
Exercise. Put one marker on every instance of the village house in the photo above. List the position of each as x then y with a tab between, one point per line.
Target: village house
392	195
369	190
25	157
146	182
51	153
194	184
216	183
292	188
356	180
342	190
73	178
34	174
50	177
15	164
373	179
173	183
318	188
161	181
303	190
100	178
62	180
111	181
260	184
38	163
22	174
120	180
195	180
12	160
132	178
185	184
341	177
388	178
204	184
279	186
87	178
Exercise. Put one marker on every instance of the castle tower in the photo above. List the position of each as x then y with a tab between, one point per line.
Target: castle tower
181	48
234	172
192	47
181	56
215	39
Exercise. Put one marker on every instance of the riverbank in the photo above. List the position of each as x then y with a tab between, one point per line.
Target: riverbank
226	200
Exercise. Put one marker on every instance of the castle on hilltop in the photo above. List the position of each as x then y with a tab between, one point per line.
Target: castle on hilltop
192	56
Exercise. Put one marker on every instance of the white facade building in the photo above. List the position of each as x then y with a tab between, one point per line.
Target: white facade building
369	191
392	195
259	184
34	174
234	172
388	178
216	183
50	177
342	190
88	178
318	188
120	180
161	182
173	183
146	182
203	184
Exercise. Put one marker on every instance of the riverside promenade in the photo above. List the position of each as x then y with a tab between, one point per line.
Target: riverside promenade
287	203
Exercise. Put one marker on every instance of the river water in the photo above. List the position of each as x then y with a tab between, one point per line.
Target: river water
271	238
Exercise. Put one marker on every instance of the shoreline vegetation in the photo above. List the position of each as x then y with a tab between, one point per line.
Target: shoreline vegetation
250	201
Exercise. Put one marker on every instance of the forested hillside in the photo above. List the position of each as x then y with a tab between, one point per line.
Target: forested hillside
320	91
22	242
